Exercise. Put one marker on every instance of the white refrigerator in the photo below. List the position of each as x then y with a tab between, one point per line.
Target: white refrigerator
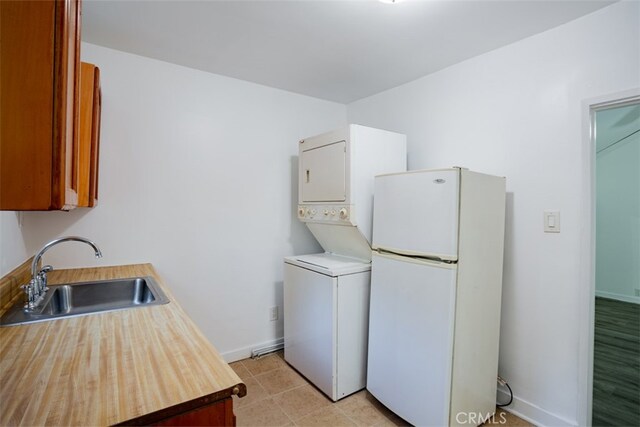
436	284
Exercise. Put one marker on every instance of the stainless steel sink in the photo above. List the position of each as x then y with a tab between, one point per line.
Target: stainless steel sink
78	299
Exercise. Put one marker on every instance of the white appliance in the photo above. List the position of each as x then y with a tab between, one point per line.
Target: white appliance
335	184
325	291
326	296
436	287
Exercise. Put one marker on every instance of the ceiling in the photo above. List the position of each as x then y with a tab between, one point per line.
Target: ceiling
335	50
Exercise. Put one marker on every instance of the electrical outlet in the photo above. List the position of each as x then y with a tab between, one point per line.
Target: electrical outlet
273	313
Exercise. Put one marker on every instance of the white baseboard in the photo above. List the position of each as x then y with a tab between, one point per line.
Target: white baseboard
245	352
532	413
611	295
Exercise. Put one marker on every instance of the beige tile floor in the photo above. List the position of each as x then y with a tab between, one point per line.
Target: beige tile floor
278	396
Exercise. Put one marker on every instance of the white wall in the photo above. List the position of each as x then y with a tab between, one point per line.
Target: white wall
13	251
618	203
197	173
516	112
197	176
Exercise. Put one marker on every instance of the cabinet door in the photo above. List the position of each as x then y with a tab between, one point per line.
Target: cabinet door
66	109
216	414
89	132
26	83
95	139
38	81
323	173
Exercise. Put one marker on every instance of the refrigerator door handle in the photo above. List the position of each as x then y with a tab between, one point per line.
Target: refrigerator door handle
415	260
439	257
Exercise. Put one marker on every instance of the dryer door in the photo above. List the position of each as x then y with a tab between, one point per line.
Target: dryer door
323	173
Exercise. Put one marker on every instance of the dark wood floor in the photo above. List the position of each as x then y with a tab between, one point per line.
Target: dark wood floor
616	367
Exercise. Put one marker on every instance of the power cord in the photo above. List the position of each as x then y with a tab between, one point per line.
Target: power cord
502	382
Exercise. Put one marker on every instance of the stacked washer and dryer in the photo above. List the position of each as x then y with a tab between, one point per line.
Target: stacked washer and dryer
326	296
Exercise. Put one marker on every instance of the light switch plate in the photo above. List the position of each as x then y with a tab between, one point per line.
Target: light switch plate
551	221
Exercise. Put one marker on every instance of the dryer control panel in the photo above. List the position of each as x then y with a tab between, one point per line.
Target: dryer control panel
340	214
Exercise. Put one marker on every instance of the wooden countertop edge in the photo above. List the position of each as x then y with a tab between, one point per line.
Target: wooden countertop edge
183	407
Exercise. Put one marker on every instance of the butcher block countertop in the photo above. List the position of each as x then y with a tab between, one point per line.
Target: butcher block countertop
112	367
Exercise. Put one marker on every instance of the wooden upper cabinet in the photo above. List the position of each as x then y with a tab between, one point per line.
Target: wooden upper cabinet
89	135
39	104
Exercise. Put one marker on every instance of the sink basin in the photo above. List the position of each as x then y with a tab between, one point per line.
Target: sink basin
78	299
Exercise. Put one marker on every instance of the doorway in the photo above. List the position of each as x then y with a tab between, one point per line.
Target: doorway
616	333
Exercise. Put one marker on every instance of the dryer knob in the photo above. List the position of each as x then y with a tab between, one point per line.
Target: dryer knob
313	212
343	213
300	212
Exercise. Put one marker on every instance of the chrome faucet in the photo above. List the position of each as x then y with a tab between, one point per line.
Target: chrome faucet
37	287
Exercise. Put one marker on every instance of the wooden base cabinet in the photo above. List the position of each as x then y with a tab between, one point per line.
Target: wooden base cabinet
204	411
216	414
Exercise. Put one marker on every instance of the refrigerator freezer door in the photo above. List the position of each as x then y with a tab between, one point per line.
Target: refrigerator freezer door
310	325
416	213
411	337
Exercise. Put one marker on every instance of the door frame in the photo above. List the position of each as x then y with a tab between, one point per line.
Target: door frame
588	245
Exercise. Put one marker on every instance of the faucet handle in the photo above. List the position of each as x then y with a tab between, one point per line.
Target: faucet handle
42	279
46	269
29	293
